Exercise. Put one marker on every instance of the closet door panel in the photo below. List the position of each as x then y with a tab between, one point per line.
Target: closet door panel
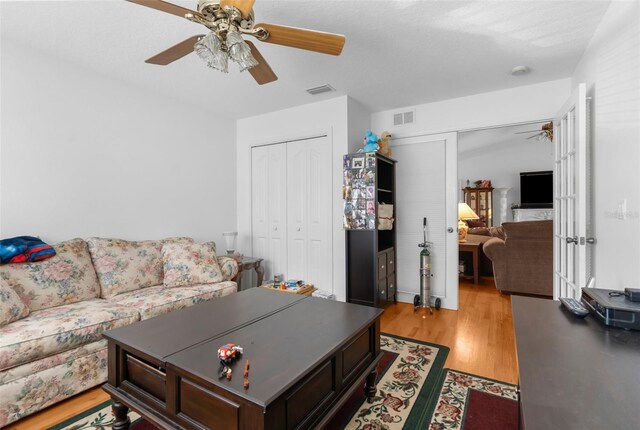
277	204
318	202
297	210
259	206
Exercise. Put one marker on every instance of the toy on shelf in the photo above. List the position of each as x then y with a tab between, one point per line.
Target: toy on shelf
385	144
245	383
370	142
228	354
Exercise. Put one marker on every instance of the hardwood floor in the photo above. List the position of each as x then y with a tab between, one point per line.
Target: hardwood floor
480	337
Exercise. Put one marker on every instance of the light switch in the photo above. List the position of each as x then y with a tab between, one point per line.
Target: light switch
622	209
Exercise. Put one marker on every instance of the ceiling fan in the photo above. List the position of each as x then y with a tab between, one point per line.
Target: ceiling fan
227	21
544	134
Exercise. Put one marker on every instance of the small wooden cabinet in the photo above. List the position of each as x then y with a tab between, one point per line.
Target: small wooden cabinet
481	201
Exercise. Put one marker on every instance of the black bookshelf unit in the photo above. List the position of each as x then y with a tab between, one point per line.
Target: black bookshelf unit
368	180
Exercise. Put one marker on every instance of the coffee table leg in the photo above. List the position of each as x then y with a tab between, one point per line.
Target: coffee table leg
370	386
121	414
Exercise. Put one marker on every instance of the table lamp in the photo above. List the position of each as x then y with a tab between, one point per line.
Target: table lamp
464	213
230	238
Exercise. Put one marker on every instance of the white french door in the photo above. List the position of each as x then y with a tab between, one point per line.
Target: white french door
426	186
571	244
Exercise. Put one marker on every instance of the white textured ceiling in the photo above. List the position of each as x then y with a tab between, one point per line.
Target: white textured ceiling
398	53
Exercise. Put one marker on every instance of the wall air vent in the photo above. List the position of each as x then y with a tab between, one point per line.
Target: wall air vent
404	117
321	89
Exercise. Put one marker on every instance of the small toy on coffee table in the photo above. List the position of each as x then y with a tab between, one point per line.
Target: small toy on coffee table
246	375
228	354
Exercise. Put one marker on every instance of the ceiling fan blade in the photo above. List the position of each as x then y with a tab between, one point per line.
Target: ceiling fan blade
262	73
318	41
243	6
174	53
165	7
533	137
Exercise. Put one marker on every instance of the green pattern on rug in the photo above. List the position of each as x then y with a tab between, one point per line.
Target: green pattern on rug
97	418
408	381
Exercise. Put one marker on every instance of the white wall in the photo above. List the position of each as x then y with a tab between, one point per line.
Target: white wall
325	117
515	105
502	164
611	69
84	155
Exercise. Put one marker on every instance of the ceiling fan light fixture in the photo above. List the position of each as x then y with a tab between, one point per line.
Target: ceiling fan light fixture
209	48
240	52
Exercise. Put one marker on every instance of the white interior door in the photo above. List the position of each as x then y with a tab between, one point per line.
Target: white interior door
297	210
426	186
571	245
268	197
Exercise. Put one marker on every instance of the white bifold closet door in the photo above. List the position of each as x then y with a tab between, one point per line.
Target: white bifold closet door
269	207
291	195
309	211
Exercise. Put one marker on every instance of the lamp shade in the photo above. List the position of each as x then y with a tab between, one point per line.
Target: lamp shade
465	212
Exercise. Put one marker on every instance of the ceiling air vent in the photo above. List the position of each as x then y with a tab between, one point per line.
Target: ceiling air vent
404	118
321	89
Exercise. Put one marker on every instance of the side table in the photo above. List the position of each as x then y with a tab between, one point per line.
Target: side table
474	249
249	263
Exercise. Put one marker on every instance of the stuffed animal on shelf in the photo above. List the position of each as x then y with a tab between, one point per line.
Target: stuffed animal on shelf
385	144
370	142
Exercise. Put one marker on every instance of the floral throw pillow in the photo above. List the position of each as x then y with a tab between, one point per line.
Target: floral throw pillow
67	278
124	265
190	264
11	307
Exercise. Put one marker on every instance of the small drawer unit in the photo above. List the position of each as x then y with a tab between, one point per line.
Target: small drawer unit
386	276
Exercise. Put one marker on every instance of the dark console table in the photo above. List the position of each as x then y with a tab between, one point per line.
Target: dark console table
574	373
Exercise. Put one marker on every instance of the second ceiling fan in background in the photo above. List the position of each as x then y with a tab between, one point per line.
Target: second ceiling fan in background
227	21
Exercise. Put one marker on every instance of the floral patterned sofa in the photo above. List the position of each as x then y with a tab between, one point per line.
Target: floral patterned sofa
55	311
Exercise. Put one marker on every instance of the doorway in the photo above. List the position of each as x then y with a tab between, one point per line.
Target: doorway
490	164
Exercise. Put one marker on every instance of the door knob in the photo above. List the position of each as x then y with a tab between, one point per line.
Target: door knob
450	230
275	228
573	240
591	240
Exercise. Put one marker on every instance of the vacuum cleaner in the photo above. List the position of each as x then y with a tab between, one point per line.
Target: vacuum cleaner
424	298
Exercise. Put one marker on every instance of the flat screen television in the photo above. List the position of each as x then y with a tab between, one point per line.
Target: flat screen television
536	189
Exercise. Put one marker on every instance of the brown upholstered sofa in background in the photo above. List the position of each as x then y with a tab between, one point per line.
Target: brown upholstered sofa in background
523	261
481	235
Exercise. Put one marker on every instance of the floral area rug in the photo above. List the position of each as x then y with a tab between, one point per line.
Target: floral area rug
470	402
414	392
407	375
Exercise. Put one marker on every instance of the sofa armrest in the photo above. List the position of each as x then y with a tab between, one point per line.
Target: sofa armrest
229	267
496	250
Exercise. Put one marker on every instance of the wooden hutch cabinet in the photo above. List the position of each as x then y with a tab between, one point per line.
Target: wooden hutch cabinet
481	201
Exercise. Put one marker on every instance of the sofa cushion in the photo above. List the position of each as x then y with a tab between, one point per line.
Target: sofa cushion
54	330
190	264
154	301
67	278
12	308
124	265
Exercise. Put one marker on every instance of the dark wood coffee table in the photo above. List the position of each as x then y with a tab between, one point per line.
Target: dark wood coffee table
307	356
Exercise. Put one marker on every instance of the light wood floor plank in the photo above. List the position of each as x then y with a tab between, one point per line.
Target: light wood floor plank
480	336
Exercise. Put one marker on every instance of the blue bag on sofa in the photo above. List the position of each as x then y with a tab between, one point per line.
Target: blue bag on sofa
24	248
